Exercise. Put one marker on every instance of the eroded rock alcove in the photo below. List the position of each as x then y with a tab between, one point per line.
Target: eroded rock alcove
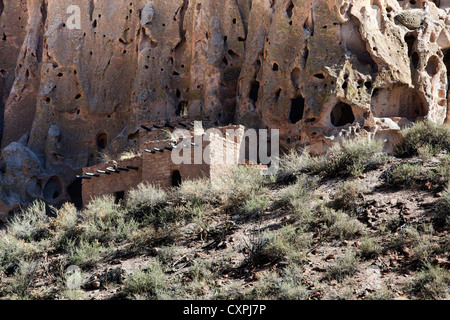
316	70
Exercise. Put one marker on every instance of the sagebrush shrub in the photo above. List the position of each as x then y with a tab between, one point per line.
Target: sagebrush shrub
348	195
426	134
145	197
30	224
354	155
404	174
432	282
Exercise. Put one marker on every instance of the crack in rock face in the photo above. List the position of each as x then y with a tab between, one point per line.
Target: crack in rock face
318	71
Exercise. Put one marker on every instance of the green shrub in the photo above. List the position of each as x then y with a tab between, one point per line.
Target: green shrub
31	224
285	286
149	283
195	192
340	225
297	195
442	217
348	196
85	253
145	198
13	249
404	174
65	226
243	182
381	294
354	155
434	137
343	267
23	279
431	283
293	163
442	173
369	248
254	205
289	243
104	220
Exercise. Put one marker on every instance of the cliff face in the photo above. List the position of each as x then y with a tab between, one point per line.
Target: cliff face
316	70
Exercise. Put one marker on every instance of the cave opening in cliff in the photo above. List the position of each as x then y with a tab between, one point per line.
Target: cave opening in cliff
75	194
52	189
183	108
415	59
297	108
102	140
398	101
290	9
342	114
410	39
432	67
254	91
446	60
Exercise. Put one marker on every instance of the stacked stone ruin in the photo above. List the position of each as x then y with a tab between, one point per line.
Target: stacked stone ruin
154	165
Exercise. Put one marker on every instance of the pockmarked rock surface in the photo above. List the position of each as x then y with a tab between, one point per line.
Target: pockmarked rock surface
318	71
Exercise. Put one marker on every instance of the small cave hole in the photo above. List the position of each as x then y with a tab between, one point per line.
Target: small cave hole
342	114
278	94
290	9
433	66
75	194
297	108
102	141
182	109
233	54
52	189
319	76
415	59
410	39
254	91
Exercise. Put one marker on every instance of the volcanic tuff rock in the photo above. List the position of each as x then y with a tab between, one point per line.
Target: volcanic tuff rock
316	70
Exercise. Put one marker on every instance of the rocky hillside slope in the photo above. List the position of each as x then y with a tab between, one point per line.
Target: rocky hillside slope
372	227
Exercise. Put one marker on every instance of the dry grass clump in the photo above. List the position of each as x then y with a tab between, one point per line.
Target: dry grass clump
442	217
422	136
348	195
354	155
145	198
30	224
148	284
343	267
404	175
285	284
431	283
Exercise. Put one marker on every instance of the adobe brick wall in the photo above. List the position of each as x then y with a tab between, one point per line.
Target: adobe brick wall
113	182
158	168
